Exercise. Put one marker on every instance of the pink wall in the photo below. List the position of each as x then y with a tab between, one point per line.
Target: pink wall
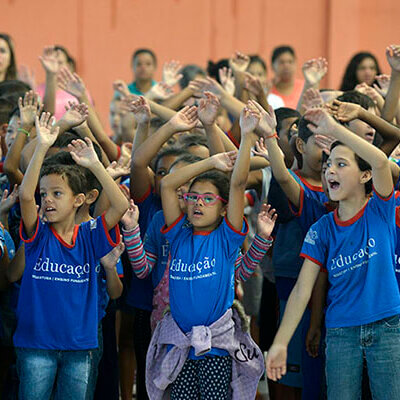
102	34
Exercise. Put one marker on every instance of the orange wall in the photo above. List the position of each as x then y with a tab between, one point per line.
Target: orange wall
101	34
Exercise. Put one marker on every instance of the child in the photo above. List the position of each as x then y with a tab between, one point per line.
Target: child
57	308
355	245
202	260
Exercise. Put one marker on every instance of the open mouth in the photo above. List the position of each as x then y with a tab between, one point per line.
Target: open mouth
49	209
197	213
369	137
333	185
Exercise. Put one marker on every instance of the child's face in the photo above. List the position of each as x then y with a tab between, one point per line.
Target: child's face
285	66
58	200
183	189
12	130
311	154
5	56
205	217
144	67
284	140
257	70
115	117
199	150
362	129
366	71
163	166
343	176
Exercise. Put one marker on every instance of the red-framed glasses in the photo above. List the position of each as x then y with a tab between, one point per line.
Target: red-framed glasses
208	199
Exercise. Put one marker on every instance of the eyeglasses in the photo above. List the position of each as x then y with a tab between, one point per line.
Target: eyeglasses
208	199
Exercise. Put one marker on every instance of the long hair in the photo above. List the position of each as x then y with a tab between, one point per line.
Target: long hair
12	68
350	81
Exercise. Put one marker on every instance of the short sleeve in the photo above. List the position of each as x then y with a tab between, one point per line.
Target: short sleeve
102	239
385	207
314	245
172	232
233	238
40	227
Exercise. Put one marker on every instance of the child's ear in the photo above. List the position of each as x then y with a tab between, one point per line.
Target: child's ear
3	130
365	176
92	196
224	210
300	145
79	200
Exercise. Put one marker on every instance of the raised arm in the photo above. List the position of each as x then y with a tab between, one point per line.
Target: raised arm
391	106
170	183
141	111
46	137
324	124
184	120
50	64
83	154
249	119
282	175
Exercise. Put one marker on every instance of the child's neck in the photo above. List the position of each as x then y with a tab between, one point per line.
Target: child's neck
349	208
65	229
144	86
83	214
313	177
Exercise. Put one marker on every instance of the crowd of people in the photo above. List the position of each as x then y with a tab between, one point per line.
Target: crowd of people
229	231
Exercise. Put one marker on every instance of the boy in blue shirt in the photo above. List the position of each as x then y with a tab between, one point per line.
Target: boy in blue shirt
58	309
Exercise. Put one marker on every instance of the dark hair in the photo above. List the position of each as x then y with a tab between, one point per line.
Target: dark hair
283	113
76	178
144	51
356	97
12	68
350	81
362	165
213	68
254	58
303	132
12	90
278	51
6	108
70	59
325	157
169	151
65	158
218	179
194	139
189	72
186	159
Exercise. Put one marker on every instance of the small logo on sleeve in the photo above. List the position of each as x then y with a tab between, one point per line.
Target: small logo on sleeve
311	237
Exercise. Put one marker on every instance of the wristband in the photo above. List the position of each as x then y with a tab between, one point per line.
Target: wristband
23	131
275	135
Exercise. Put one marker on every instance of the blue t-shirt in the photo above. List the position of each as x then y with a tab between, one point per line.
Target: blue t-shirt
358	255
202	272
58	302
156	243
140	292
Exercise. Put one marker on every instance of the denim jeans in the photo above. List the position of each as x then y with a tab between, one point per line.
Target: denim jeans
379	343
38	370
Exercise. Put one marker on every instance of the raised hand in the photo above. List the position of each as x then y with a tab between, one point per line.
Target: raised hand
266	221
249	118
121	87
276	361
160	91
208	109
25	74
29	108
75	114
71	83
185	119
83	152
170	73
49	60
109	261
141	110
260	149
8	200
321	122
227	80
119	168
344	112
253	84
314	70
267	123
131	217
312	98
239	62
393	56
225	161
383	84
46	134
324	142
